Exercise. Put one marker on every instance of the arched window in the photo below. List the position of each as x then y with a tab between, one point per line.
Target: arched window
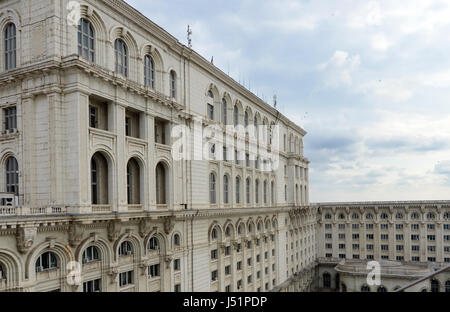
2	273
214	233
431	216
153	244
99	180
236	115
355	216
241	229
285	193
225	190
173	84
341	216
257	191
369	216
212	188
326	280
176	240
447	286
86	46
247	190
246	119
12	176
125	249
381	289
435	286
133	182
447	215
91	254
228	231
10	47
161	192
414	216
328	216
238	190
224	111
265	192
365	288
149	72
250	228
384	216
399	216
121	57
46	261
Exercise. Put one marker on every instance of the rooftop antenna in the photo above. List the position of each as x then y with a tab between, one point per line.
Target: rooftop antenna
189	39
275	101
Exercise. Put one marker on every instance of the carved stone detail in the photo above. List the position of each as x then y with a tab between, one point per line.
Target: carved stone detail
25	237
75	234
169	223
114	227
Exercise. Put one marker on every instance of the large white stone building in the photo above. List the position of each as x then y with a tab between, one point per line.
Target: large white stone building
95	100
130	163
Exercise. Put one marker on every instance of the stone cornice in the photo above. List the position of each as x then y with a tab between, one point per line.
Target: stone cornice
134	16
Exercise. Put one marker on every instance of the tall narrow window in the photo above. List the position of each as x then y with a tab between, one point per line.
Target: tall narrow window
149	72
173	84
285	193
10	46
161	184
246	119
236	115
93	117
212	188
247	190
94	182
121	57
272	192
12	176
10	118
225	190
238	190
86	47
133	182
224	111
265	192
257	191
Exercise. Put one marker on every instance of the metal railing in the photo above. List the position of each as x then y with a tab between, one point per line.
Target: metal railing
426	277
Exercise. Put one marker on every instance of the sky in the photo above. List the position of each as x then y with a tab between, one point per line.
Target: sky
368	80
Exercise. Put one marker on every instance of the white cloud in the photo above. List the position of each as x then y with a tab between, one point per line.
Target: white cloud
338	69
379	42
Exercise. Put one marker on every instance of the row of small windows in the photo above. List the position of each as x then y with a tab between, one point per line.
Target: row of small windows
48	260
384	216
86	49
213	195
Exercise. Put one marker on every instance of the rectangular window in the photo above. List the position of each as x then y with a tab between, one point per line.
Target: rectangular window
154	270
126	278
228	270
399	237
415	247
384	247
399	226
176	265
384	236
399	247
92	286
414	226
239	266
177	288
214	275
384	226
214	254
414	237
431	237
369	226
93	117
10	118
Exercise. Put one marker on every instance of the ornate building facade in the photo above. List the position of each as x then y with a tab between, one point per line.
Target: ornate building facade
98	103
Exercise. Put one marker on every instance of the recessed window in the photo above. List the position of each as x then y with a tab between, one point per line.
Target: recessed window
10	114
126	278
149	72
86	46
92	286
12	176
125	249
173	84
121	52
10	46
46	261
153	244
91	254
